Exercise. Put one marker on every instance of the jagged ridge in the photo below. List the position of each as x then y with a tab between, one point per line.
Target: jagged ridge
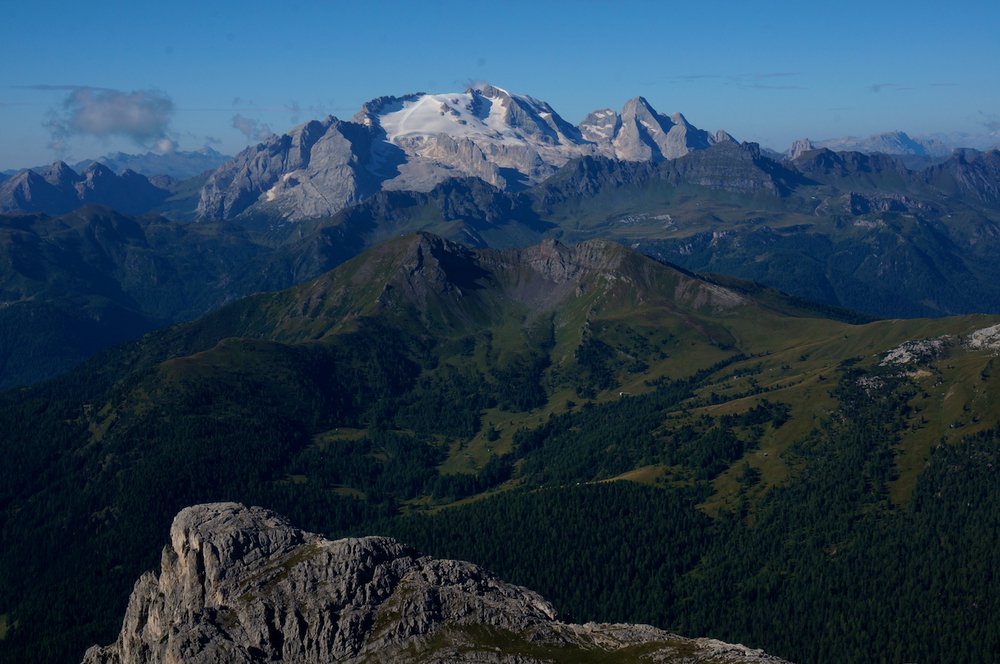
240	584
415	142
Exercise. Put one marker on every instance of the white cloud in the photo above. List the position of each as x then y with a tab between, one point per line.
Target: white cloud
141	115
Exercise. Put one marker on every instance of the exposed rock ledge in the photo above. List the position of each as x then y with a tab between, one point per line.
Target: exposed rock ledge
240	584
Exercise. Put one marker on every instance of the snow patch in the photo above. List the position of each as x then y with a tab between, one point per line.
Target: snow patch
272	193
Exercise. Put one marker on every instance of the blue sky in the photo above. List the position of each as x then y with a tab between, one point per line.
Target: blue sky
82	79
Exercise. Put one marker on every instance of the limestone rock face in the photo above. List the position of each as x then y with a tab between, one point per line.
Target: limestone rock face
240	584
317	168
417	141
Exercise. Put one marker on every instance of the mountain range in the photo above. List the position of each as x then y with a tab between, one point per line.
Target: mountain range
893	142
653	373
178	165
416	141
58	189
768	454
844	229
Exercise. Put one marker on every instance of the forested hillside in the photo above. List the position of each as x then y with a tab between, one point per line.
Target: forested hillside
715	459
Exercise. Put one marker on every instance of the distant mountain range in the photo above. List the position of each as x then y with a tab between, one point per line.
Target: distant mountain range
893	142
417	141
58	189
412	143
844	229
179	165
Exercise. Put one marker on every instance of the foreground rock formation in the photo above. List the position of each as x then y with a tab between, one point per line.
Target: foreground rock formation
240	584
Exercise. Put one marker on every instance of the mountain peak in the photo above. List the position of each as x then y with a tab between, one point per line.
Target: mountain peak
416	141
488	90
636	103
59	174
228	567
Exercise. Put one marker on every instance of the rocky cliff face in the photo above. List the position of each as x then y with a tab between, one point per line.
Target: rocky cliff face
417	141
240	584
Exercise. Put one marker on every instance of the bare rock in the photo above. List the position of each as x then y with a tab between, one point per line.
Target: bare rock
240	584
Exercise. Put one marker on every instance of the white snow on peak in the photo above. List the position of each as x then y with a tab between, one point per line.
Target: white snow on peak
463	114
650	126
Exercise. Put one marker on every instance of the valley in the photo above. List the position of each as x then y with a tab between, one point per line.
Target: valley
508	406
658	375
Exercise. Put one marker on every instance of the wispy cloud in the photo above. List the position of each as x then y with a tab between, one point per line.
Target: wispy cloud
776	74
253	129
887	87
140	115
694	77
766	86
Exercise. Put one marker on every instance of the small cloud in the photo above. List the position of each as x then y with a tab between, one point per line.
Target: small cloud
944	85
141	115
164	146
254	130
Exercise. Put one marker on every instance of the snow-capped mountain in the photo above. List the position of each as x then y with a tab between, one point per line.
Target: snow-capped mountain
416	141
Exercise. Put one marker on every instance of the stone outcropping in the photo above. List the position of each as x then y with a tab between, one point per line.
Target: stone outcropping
240	584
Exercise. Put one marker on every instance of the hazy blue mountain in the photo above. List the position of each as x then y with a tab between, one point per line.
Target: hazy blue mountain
58	189
179	165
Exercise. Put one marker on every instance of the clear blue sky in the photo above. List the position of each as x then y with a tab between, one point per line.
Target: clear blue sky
80	79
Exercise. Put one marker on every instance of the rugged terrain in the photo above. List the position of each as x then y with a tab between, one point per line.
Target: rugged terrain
417	141
845	229
508	406
240	584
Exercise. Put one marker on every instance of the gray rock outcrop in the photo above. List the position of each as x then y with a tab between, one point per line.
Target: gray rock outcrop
240	584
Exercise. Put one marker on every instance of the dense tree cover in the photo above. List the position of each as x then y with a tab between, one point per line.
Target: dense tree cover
608	552
820	568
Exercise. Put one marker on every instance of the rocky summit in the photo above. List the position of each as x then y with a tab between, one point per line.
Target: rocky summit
417	141
240	584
